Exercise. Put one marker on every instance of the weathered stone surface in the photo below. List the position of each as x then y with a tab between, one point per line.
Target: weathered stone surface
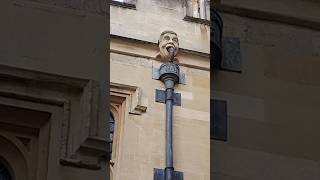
155	17
142	140
56	41
273	104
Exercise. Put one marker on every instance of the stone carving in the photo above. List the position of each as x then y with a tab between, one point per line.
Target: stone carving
168	39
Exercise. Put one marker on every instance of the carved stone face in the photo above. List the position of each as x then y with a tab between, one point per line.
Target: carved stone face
168	39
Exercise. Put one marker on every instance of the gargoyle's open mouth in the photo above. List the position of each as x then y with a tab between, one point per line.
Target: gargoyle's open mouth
169	46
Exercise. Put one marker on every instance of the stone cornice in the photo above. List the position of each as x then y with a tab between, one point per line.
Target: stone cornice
123	4
197	20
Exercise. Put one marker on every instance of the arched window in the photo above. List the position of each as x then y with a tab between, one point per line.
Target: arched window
4	172
111	131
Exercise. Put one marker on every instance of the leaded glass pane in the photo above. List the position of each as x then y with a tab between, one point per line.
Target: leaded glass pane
111	133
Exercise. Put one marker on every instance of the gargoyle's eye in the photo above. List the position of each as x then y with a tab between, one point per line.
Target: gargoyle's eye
167	38
175	39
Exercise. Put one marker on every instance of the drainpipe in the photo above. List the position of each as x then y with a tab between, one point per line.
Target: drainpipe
169	80
169	74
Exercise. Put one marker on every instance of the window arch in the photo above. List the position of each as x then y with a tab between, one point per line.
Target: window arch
117	106
125	100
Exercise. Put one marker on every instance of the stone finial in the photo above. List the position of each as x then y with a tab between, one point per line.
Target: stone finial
168	39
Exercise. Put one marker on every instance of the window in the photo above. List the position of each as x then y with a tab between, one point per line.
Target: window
125	100
218	125
111	132
198	11
116	111
117	105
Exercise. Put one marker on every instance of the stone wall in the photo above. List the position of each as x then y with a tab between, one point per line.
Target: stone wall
134	53
273	104
142	137
150	18
53	61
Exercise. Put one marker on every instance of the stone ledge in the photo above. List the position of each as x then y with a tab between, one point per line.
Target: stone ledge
197	20
123	4
149	50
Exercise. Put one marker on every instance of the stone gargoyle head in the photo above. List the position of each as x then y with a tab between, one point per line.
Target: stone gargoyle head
168	39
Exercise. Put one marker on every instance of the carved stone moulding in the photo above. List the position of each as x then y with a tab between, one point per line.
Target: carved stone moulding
73	107
132	94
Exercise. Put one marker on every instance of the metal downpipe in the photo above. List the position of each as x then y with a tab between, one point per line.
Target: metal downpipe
169	85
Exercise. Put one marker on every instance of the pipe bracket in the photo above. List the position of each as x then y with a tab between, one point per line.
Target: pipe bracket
161	97
159	174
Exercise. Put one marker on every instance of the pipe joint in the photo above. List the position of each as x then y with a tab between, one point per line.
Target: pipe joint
169	83
169	94
169	71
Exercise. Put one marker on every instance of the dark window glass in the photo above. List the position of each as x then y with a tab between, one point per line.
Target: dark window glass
4	173
111	131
